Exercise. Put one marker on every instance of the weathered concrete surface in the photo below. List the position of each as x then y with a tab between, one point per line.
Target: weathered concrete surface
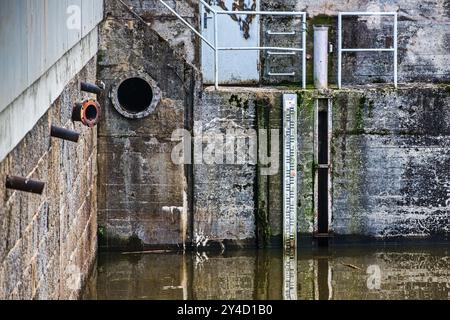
234	202
49	242
163	22
390	165
137	176
224	191
237	202
391	162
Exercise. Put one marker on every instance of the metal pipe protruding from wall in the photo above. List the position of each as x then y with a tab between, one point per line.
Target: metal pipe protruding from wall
87	112
64	134
23	184
90	87
321	57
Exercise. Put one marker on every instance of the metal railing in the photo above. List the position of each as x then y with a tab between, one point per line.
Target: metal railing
341	50
217	49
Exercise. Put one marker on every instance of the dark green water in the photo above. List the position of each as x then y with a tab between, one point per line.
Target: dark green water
351	273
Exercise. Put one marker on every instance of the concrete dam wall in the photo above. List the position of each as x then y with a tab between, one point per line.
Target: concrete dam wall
163	159
388	147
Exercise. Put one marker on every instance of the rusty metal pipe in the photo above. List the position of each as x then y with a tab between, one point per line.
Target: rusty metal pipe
76	112
87	112
23	184
90	87
64	134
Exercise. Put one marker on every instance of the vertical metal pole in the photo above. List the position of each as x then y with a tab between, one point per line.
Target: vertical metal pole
216	53
339	51
321	57
304	27
395	50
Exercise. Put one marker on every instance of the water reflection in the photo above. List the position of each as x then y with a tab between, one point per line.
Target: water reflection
407	273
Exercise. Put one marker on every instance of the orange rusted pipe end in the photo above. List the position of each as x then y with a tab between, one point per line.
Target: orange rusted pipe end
88	113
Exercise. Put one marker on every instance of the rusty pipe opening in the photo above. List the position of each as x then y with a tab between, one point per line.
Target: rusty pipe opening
64	134
88	113
23	184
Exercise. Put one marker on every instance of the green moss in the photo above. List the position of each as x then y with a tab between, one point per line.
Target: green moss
135	243
101	54
132	243
101	231
350	107
359	114
262	213
383	132
238	102
362	102
310	211
305	104
378	80
264	229
101	235
293	86
354	178
306	107
323	19
371	107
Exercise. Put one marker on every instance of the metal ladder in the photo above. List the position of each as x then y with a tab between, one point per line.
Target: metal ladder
271	33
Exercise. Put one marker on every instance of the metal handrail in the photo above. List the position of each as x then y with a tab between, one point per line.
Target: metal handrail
188	24
394	49
216	48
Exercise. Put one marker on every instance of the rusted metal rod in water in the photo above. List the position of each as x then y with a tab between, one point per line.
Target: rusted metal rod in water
64	134
23	184
90	87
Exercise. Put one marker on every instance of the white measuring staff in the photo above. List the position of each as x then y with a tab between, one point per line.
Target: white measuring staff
290	196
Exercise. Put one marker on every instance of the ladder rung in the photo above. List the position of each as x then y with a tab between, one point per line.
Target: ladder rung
281	53
279	33
282	74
